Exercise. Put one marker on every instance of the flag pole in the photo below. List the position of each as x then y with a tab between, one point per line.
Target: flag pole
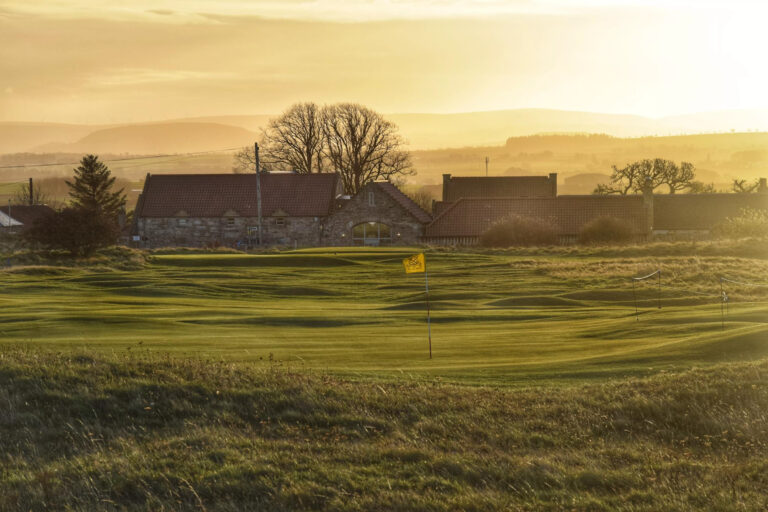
429	324
722	305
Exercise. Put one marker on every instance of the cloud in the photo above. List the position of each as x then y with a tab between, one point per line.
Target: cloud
161	12
174	11
134	76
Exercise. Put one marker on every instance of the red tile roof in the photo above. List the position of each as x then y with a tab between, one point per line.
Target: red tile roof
27	214
701	211
498	186
403	200
471	217
211	195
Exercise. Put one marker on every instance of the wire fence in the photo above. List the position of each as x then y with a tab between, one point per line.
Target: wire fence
723	296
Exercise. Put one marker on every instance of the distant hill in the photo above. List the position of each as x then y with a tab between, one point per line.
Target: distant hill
179	137
581	161
717	157
252	123
491	128
21	137
423	131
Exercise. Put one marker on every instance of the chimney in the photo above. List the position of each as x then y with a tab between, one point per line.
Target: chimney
446	184
762	188
31	193
553	183
648	203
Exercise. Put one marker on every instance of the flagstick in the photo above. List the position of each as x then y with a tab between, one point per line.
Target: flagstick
429	324
722	305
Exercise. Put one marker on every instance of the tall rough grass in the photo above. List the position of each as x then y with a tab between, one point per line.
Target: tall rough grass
142	432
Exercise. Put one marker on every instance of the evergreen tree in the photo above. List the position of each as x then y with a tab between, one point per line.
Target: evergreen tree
91	189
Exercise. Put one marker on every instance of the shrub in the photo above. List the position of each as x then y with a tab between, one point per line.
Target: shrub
749	223
76	230
605	230
519	231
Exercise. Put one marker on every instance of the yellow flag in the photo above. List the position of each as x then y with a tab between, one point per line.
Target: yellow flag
414	264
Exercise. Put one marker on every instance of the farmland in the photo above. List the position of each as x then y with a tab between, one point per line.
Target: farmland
301	381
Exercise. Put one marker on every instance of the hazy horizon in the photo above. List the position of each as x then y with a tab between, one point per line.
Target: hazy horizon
85	62
152	120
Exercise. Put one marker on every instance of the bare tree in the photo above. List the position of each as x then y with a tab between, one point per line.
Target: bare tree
744	187
698	187
38	195
423	198
630	179
362	146
244	161
294	140
658	172
676	178
291	142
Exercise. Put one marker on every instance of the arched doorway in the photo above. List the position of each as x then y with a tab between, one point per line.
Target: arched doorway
371	233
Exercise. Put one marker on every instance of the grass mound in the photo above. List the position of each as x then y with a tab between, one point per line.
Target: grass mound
139	432
118	258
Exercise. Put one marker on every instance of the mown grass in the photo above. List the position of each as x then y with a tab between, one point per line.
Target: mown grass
497	317
142	431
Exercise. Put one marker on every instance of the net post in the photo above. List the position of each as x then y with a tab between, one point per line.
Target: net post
429	323
634	297
659	274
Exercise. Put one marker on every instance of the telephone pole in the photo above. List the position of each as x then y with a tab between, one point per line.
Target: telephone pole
486	166
258	187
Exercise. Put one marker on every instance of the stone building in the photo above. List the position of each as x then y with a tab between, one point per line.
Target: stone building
380	214
198	210
301	210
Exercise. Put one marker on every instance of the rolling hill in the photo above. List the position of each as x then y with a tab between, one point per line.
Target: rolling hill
21	137
186	137
423	131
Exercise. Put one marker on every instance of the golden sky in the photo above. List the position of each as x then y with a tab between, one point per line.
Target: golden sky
90	61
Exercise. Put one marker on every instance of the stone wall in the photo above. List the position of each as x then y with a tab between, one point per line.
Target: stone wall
404	228
228	231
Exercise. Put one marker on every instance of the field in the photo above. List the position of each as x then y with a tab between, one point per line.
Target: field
301	381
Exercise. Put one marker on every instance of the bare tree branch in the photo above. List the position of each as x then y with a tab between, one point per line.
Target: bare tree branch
658	172
362	146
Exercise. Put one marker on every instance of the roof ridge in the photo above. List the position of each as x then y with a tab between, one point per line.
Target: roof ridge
403	195
442	214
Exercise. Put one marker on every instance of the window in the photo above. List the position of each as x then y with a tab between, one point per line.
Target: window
371	233
181	222
230	221
371	199
280	221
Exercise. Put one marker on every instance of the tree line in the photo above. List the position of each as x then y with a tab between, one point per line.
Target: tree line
658	172
347	138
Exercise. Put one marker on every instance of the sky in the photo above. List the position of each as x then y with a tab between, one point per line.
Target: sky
86	61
